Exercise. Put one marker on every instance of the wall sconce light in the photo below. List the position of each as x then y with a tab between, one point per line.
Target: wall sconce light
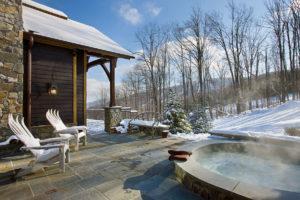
52	89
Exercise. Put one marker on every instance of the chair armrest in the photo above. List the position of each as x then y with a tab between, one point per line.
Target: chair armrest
67	131
54	140
45	147
81	128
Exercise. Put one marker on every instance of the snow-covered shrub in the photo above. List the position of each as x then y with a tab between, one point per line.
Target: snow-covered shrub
200	121
175	116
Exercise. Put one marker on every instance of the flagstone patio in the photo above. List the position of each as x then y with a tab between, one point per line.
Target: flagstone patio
110	167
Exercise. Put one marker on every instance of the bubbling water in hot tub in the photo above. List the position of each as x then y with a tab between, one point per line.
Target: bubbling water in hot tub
264	165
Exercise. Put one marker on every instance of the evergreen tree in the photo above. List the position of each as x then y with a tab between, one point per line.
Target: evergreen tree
175	116
200	121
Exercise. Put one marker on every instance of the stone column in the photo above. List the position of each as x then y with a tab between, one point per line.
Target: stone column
11	62
113	116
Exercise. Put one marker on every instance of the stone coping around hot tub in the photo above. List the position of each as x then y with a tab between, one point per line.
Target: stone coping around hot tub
211	185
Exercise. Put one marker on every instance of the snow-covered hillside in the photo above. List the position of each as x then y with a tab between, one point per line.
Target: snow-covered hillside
266	122
269	121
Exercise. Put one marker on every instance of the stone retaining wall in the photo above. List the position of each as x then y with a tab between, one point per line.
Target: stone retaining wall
97	114
11	62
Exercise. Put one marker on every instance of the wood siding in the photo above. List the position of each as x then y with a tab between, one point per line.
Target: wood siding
80	88
53	64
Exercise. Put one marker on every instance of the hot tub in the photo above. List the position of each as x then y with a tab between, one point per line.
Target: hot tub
242	170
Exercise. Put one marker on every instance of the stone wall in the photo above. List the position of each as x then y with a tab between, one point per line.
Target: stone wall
11	62
97	114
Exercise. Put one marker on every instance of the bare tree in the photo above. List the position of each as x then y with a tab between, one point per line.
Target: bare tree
196	44
221	71
276	20
251	58
292	25
179	60
151	38
162	66
231	39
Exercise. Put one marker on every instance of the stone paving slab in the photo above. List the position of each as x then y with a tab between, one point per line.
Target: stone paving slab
90	194
16	191
123	168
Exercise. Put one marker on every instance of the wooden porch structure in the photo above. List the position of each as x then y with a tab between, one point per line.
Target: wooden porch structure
42	48
109	71
108	62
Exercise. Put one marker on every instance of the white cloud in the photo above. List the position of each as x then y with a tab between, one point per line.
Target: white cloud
130	14
94	87
124	67
153	9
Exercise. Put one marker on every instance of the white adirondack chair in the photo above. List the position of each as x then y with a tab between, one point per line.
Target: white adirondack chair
67	132
46	152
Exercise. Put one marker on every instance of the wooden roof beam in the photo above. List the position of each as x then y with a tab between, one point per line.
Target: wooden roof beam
108	74
99	61
100	55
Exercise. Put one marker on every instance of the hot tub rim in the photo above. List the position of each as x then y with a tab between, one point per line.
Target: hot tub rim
240	190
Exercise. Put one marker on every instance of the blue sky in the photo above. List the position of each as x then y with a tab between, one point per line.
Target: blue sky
120	20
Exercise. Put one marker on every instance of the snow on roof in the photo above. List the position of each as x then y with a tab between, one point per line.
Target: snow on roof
48	22
44	8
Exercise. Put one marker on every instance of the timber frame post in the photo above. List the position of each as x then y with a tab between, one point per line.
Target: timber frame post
29	80
109	73
113	64
85	68
74	87
113	112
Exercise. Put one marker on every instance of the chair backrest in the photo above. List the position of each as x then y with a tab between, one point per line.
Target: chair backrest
21	131
55	120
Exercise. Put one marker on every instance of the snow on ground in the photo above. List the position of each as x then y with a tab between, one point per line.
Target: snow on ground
124	126
95	126
268	121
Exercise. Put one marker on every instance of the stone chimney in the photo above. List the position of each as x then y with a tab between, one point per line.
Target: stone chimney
11	62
